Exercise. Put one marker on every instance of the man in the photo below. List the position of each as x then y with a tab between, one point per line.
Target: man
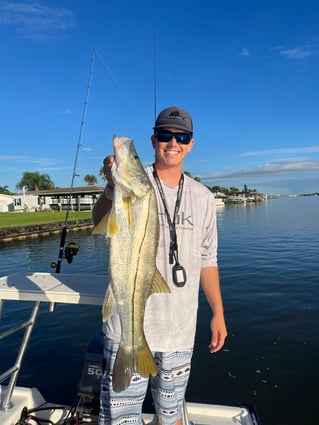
186	256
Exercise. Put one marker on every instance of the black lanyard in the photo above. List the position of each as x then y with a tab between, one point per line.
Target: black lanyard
179	274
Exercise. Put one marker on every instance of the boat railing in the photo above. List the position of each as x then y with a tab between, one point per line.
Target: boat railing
42	287
14	370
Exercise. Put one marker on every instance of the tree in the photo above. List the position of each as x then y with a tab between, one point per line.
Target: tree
90	180
33	180
247	190
224	190
4	190
187	173
101	173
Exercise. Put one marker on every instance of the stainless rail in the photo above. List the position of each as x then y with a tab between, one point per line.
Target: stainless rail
13	371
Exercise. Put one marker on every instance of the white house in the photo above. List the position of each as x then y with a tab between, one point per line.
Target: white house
83	198
6	203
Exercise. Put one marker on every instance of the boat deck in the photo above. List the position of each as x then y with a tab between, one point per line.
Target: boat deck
54	288
76	289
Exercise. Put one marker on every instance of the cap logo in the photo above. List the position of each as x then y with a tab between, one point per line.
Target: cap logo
174	115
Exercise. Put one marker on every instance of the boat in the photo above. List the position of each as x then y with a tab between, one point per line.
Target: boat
219	202
26	405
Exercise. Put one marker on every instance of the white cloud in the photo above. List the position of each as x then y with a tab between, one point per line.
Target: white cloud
281	151
302	51
34	161
67	111
285	178
35	21
296	53
268	169
245	52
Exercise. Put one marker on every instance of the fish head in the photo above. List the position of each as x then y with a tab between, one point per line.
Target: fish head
127	171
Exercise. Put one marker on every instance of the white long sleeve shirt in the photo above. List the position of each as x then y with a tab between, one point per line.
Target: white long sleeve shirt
170	318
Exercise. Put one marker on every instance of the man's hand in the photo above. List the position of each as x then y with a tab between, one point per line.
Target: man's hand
107	166
219	333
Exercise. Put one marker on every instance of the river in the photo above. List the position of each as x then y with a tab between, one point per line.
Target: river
268	259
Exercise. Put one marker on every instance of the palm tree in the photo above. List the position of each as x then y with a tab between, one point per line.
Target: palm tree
33	180
90	180
101	174
187	173
4	190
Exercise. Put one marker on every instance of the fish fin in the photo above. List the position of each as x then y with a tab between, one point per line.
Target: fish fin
108	224
123	369
108	305
112	227
145	363
127	207
101	227
159	284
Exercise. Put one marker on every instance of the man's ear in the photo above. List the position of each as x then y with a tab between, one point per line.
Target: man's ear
153	139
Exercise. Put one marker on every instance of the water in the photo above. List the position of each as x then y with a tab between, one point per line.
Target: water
268	259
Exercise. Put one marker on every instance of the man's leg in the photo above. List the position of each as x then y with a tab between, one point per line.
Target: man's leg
124	407
169	386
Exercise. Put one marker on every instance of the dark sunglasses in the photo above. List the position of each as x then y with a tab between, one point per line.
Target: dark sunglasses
166	136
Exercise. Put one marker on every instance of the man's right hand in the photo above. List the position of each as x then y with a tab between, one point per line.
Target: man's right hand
107	166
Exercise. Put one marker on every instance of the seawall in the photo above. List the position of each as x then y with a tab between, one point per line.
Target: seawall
35	231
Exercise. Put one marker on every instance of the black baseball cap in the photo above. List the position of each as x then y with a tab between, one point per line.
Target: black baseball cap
174	117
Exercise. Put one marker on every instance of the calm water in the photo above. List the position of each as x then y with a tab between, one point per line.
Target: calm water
268	258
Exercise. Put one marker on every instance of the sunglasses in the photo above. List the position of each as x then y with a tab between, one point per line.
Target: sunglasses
166	136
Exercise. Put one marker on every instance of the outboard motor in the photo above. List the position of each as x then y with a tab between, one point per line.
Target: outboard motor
92	371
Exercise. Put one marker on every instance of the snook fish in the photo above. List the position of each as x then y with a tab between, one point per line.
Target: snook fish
132	224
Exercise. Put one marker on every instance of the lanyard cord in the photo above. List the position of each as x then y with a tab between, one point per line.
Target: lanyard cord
173	248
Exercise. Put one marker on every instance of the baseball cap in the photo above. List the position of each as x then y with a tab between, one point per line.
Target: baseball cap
174	117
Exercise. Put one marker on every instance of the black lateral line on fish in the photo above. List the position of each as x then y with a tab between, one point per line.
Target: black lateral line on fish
135	279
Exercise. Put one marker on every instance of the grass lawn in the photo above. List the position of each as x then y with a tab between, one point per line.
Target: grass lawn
14	219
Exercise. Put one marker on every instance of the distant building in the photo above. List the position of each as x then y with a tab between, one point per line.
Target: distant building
57	199
6	203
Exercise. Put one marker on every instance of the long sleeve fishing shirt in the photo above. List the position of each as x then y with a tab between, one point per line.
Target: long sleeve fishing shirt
170	318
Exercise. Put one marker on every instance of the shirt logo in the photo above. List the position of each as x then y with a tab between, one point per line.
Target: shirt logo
182	220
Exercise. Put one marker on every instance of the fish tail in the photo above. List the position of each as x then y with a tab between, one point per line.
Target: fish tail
123	369
145	363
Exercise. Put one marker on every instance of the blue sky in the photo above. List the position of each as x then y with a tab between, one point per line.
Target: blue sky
246	70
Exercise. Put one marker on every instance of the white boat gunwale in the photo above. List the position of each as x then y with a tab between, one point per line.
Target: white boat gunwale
77	289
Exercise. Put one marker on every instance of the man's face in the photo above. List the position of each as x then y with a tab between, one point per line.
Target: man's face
170	153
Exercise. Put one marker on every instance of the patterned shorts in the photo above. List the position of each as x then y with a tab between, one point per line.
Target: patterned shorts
167	388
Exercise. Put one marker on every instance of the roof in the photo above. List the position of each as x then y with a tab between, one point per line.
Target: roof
66	191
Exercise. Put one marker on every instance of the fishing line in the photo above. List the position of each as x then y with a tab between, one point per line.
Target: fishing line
117	83
72	249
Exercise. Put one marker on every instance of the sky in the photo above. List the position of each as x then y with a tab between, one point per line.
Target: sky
247	71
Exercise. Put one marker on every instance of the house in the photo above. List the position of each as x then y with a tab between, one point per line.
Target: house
6	202
58	199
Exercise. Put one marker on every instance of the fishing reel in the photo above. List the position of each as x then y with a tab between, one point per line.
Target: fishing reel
69	252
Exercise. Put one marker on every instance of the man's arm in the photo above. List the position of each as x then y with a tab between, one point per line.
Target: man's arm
100	208
104	203
211	287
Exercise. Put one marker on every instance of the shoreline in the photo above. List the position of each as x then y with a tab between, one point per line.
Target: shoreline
36	231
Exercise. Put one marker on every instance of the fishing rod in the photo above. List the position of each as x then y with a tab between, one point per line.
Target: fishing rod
154	77
71	249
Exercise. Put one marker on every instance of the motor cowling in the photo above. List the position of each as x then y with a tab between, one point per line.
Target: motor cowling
92	371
